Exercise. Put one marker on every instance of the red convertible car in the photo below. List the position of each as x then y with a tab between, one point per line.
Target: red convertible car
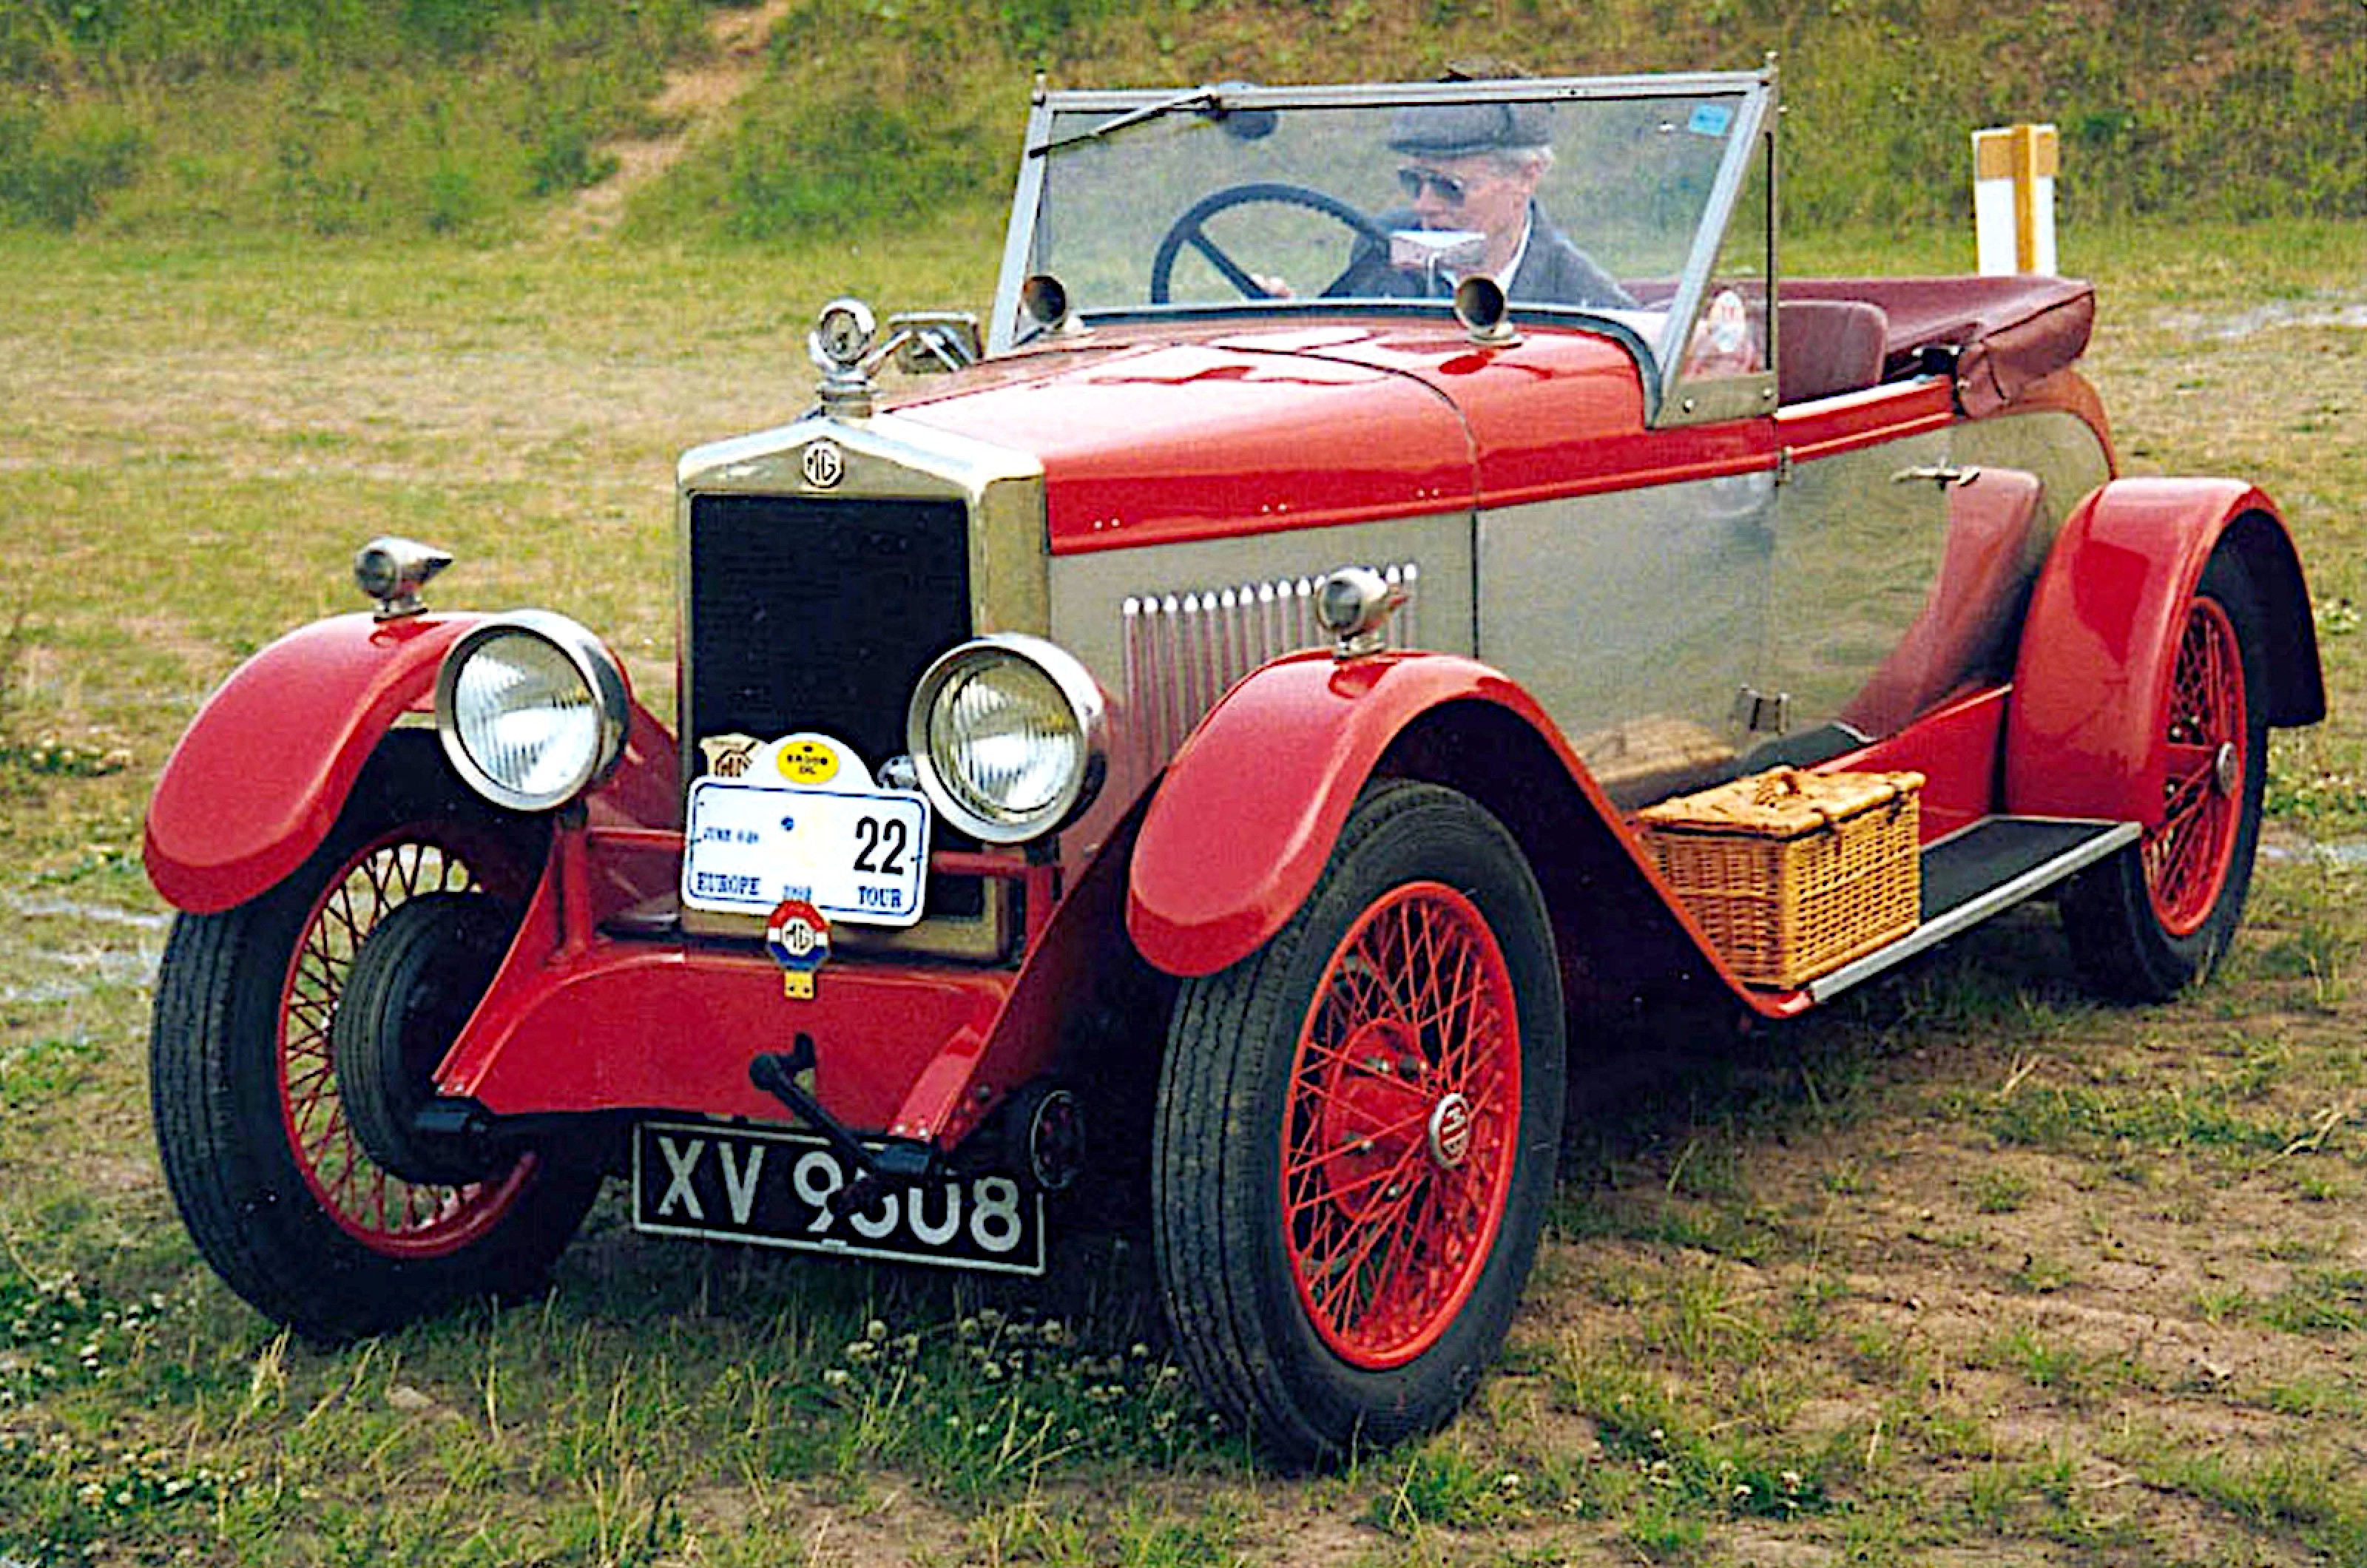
1228	727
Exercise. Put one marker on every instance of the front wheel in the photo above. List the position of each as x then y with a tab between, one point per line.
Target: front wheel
2159	914
280	1197
1356	1135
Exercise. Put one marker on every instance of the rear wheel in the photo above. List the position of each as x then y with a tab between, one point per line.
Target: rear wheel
2157	917
280	1197
1356	1135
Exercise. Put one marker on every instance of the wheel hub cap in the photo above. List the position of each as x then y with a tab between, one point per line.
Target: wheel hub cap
1450	1131
2226	769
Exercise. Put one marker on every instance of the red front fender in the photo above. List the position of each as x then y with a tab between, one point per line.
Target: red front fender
2085	735
255	782
1250	808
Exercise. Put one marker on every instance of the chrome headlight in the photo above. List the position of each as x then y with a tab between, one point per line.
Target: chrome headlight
532	710
1006	733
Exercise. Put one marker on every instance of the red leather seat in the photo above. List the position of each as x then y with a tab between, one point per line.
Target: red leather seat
1828	347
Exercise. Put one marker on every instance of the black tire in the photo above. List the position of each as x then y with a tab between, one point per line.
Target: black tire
275	1193
2156	918
1310	1338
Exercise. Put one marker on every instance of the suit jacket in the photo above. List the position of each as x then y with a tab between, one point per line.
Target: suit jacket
1552	271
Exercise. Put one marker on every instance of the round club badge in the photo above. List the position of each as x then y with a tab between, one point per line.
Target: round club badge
806	760
797	937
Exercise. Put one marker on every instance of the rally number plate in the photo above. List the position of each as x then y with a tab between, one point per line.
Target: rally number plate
860	856
773	1188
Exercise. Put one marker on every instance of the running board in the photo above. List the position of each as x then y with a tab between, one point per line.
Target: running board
1968	876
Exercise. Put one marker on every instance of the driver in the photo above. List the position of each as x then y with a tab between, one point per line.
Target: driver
1474	168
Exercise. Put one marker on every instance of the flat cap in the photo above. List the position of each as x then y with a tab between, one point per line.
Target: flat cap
1458	131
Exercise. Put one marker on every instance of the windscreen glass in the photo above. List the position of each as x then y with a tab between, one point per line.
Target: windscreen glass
1594	204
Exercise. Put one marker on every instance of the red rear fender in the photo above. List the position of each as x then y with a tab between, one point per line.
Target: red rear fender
2084	736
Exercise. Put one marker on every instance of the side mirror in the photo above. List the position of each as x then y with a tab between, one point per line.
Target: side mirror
930	343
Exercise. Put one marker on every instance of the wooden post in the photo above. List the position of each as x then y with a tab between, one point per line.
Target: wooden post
2014	197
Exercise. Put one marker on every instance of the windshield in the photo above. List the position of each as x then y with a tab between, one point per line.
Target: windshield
1577	195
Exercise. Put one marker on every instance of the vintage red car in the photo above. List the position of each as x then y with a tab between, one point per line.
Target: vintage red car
1200	737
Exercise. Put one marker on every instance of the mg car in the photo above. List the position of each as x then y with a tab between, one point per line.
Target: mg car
1195	728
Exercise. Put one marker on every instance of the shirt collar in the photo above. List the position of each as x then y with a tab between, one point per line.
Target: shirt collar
1520	252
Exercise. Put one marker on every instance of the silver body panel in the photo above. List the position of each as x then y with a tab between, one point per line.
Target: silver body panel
1855	554
1632	608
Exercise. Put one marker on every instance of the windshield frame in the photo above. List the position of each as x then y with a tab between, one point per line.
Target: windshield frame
1127	107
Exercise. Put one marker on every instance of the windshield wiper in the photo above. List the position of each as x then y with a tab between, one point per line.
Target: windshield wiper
1208	99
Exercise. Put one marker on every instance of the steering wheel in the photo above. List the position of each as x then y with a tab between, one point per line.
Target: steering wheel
1189	228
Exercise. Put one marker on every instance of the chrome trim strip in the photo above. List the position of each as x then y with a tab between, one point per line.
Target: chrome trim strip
1977	909
1019	240
1759	116
1362	95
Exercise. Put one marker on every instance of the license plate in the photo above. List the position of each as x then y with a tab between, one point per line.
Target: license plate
773	1188
860	856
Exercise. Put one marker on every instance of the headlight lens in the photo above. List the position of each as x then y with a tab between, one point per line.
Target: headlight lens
532	710
1007	734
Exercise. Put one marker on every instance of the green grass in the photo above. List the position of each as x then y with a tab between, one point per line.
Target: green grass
1880	1284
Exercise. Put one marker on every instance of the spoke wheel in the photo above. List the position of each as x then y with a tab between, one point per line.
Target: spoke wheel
2154	918
1402	1121
1356	1133
2186	858
385	1213
252	1130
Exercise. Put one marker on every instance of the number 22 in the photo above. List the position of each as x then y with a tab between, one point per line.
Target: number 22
885	839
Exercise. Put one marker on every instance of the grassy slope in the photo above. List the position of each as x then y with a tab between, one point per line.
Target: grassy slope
168	115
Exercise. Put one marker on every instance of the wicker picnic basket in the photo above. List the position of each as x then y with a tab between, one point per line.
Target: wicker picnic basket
1794	873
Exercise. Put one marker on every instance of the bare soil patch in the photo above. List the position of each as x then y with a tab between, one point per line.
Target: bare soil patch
691	102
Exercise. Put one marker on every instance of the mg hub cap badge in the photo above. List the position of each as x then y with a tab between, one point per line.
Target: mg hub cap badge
823	464
1450	1131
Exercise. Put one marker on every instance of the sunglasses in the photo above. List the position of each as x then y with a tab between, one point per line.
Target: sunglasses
1450	189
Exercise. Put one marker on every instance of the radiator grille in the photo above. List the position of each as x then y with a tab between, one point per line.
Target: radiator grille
820	613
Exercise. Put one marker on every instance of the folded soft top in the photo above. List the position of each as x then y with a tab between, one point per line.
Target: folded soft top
2008	333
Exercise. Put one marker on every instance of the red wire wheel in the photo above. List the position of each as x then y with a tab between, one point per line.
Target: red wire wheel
385	1213
1402	1121
2209	745
1355	1134
257	1143
2157	917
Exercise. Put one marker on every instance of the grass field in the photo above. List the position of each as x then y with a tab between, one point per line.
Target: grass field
1967	1270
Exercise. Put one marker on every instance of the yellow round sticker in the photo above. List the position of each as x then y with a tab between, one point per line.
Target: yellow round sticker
807	762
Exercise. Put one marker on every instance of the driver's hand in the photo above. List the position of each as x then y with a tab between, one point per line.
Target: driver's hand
1276	288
